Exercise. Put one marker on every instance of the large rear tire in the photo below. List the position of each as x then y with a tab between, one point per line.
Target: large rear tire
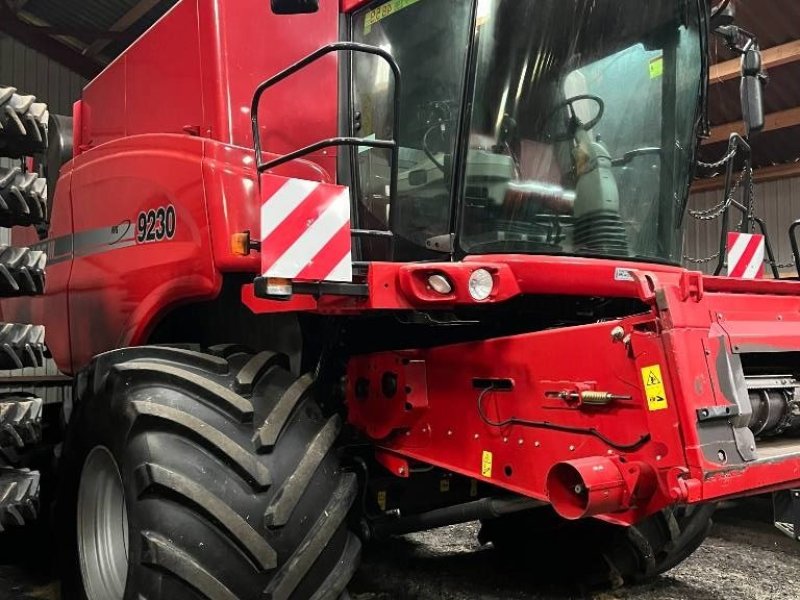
194	476
596	553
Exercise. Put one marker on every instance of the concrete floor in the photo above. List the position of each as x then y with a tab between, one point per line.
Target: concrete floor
743	559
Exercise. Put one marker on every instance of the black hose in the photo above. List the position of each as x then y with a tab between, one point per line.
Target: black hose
623	447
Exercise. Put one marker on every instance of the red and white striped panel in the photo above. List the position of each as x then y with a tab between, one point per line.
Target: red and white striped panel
305	230
745	255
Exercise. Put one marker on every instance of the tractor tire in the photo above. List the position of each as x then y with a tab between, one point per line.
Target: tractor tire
20	420
595	553
23	124
23	198
19	497
21	272
202	477
21	346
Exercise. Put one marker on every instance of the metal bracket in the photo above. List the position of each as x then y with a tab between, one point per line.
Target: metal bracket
786	512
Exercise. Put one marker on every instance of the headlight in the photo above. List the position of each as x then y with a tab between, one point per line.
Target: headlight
481	284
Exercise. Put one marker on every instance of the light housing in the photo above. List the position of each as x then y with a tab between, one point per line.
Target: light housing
440	284
277	287
481	285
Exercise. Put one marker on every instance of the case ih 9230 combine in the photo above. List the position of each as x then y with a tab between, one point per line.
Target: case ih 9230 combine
443	288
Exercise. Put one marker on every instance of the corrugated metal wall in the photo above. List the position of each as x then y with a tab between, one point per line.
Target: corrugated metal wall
34	73
777	202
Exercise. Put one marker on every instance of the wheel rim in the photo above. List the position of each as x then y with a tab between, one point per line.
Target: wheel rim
102	527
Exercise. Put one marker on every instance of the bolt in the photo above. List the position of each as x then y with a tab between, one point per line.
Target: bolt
780	317
477	436
579	489
610	452
449	433
408	433
752	448
720	316
658	457
537	444
520	441
505	440
401	470
617	334
572	448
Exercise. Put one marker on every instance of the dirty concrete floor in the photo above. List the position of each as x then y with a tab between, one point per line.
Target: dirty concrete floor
743	559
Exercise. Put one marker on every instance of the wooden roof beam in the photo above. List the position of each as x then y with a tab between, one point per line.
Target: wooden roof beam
772	57
762	175
773	121
129	19
53	49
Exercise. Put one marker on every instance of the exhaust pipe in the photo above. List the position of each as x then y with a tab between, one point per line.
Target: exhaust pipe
597	486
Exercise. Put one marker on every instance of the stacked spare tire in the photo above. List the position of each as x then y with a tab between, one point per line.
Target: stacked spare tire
23	203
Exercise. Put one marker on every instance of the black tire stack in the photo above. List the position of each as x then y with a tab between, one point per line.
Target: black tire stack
23	202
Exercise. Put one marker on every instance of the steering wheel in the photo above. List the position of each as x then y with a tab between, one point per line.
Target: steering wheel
574	121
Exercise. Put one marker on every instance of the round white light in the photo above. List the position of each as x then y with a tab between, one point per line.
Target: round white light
481	284
440	284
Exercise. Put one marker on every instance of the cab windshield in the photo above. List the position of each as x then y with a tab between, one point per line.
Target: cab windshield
576	137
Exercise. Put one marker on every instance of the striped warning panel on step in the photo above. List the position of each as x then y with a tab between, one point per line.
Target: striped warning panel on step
305	230
745	255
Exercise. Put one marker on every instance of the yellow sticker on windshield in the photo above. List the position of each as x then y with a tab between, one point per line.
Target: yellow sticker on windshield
386	10
656	67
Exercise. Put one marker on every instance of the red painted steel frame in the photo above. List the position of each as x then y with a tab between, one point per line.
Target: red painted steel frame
691	323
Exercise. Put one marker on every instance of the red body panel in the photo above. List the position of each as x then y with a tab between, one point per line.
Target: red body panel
168	123
694	327
111	185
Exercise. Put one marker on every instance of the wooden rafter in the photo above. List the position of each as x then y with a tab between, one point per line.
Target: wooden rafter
772	57
125	22
773	121
50	47
762	175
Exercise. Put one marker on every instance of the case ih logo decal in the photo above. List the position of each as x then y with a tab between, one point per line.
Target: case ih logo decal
156	224
745	255
305	230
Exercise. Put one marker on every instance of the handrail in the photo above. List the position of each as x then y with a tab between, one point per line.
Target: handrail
391	144
793	241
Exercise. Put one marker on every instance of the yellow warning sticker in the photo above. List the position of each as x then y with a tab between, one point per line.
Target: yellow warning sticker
486	464
656	67
386	10
444	485
382	499
654	388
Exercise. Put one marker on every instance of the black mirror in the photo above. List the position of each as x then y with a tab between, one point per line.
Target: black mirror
752	89
294	7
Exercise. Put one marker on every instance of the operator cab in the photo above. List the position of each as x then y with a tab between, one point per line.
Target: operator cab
528	126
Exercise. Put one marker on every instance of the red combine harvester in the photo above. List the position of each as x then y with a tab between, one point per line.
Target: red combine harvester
444	287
